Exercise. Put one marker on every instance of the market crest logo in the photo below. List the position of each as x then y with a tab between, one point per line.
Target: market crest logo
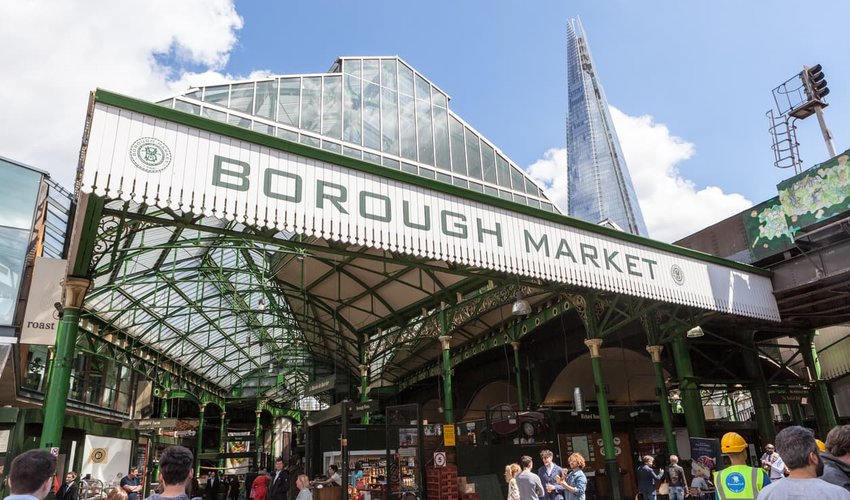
150	155
677	274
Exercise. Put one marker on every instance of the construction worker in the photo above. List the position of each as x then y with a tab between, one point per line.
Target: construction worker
738	480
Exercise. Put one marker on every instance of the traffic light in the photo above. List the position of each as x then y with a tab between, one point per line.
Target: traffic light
816	88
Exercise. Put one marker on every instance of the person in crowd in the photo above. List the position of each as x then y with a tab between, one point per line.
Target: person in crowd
836	459
213	486
233	487
130	484
260	488
334	479
175	474
738	480
303	485
797	447
117	494
511	472
249	483
773	464
768	457
647	477
676	480
548	473
575	484
530	487
279	485
68	490
31	475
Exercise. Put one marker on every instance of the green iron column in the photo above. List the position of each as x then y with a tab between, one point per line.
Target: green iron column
519	398
824	409
364	390
60	371
663	399
797	414
258	413
163	413
200	447
691	398
222	438
611	467
448	409
758	391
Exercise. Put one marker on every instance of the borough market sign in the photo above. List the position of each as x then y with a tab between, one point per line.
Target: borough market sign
157	156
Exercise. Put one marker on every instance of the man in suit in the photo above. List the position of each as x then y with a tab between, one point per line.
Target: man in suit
548	473
279	486
68	491
213	486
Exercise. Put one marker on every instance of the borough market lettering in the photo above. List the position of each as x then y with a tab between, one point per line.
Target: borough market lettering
286	186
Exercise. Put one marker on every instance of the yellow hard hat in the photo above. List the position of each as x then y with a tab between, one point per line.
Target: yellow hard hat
732	442
821	446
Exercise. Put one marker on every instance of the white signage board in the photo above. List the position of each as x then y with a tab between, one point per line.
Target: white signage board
106	458
151	160
41	319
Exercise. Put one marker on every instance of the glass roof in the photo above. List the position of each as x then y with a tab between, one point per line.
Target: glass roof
377	109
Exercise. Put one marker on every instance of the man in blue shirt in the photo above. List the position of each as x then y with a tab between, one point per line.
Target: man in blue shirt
31	475
130	484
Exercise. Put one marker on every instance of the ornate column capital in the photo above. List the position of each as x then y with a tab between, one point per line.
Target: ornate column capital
515	345
594	345
445	341
655	352
75	291
364	370
202	407
258	413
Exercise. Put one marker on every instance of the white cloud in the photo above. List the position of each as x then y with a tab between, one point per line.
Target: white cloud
672	206
55	53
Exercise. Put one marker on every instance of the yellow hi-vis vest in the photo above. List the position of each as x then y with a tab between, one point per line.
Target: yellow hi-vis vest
738	481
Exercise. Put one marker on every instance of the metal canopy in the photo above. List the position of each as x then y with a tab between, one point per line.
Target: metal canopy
253	292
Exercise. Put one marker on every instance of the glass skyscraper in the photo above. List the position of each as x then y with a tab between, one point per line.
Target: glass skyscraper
600	188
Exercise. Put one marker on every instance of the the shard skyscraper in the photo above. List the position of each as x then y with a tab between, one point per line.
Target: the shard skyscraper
599	187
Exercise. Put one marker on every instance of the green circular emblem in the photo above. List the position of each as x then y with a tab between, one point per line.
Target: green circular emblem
677	274
150	155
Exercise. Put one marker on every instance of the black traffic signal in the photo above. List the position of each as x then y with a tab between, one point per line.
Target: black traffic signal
816	88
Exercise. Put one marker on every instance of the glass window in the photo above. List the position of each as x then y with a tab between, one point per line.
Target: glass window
457	181
187	107
331	146
391	163
405	80
407	127
371	71
289	101
424	133
18	196
423	89
519	199
473	155
389	121
530	187
287	134
242	98
351	67
352	152
427	173
488	160
37	357
442	156
503	169
517	179
372	115
491	191
214	114
458	146
506	195
476	187
388	74
263	128
409	168
266	99
533	203
444	177
352	115
311	104
217	94
310	141
438	98
332	107
372	157
239	121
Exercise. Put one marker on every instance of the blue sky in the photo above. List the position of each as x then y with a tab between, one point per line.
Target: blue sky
693	80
